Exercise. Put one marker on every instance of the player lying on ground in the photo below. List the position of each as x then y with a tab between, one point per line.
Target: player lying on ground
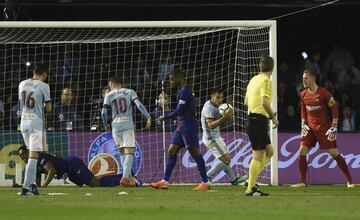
34	95
120	101
211	119
74	167
186	134
257	99
317	126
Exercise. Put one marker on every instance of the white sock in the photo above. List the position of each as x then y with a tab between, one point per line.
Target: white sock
128	165
216	168
30	173
123	156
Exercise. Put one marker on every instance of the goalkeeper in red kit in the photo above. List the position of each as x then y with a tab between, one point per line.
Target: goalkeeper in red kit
316	125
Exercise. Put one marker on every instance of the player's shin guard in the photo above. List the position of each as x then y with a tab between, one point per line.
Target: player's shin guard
128	165
30	173
254	171
169	167
303	165
342	165
110	180
201	167
216	168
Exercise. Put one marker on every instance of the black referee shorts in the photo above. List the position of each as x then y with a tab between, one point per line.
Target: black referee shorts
257	128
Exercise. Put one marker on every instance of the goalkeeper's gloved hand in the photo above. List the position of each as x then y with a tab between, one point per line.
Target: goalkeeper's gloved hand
331	133
304	129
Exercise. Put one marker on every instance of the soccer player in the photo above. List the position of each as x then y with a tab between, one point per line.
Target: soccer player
34	94
186	133
74	167
211	120
316	125
257	99
120	101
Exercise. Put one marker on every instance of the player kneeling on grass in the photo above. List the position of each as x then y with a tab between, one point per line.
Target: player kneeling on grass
317	126
120	101
74	167
211	119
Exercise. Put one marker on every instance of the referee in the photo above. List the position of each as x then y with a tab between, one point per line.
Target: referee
258	98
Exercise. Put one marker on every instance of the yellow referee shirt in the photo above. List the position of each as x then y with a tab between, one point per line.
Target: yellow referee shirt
258	87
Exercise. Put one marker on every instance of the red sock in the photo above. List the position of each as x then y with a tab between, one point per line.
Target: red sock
343	166
303	165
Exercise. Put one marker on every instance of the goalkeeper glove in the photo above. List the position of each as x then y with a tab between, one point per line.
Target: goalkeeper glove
304	130
331	134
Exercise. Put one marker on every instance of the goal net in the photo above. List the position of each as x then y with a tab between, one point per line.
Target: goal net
81	58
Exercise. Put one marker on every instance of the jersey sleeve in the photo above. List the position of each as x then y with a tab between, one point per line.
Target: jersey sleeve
265	88
208	113
184	96
106	103
133	95
326	95
46	93
303	107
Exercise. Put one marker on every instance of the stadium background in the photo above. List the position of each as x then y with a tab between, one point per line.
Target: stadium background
319	32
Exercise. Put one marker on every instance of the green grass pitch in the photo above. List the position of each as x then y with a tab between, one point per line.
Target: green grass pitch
180	202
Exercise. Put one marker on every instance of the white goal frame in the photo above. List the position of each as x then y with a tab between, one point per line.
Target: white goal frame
178	24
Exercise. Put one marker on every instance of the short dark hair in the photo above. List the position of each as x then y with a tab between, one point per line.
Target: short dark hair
311	72
115	79
41	69
216	90
266	63
178	74
23	148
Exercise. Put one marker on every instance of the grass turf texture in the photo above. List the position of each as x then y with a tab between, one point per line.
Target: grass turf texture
180	202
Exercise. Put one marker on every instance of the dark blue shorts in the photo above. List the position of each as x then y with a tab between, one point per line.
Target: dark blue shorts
188	139
78	171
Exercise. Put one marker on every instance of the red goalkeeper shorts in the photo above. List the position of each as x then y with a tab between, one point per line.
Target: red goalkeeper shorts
317	136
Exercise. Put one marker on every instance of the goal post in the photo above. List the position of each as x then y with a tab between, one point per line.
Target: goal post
82	55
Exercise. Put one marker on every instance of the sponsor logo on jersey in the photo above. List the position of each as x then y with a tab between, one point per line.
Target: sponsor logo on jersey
105	159
313	107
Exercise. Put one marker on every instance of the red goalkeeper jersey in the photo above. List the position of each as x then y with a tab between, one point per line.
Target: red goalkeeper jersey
314	108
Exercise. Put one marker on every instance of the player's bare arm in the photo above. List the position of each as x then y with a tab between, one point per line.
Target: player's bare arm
212	123
48	107
268	109
38	181
51	171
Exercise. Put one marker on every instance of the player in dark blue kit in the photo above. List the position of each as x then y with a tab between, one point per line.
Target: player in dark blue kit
186	134
77	171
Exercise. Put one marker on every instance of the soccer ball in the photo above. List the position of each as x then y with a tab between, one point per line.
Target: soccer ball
225	107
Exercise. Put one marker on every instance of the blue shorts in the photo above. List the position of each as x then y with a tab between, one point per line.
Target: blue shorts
186	139
78	171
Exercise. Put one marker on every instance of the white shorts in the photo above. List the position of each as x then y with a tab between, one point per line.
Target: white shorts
217	147
35	140
124	138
